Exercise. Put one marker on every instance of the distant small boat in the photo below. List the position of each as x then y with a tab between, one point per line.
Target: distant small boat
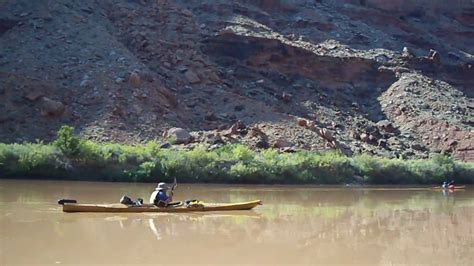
72	206
449	188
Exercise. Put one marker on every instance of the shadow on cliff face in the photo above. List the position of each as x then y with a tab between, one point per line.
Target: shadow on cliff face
459	76
343	82
6	24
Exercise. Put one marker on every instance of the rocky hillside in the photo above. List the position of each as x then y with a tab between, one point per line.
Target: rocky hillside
392	78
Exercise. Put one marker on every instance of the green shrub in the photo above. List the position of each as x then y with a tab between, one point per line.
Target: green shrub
66	141
464	172
31	160
379	170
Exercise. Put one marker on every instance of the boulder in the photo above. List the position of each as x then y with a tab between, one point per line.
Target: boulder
214	139
255	131
191	77
234	129
393	141
364	137
51	107
385	125
334	125
355	135
178	135
239	124
282	143
452	143
372	138
302	122
416	146
261	143
326	134
382	142
170	96
312	126
210	116
135	80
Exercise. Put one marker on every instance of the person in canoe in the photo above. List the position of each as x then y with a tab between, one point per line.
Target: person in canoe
447	185
160	196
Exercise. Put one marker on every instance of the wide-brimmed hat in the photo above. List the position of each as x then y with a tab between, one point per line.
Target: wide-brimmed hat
162	186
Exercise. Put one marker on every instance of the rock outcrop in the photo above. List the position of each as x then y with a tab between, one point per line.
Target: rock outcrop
391	78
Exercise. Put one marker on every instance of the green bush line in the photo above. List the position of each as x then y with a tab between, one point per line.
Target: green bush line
73	158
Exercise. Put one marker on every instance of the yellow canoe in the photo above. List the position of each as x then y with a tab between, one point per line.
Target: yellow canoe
76	207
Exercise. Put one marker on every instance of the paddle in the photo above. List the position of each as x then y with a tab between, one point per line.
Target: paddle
175	184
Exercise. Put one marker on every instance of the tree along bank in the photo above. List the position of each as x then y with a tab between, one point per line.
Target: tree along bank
73	158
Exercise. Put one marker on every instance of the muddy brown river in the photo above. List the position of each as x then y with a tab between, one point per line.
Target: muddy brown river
296	225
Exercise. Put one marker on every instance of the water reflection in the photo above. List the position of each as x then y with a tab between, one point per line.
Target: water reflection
295	225
154	229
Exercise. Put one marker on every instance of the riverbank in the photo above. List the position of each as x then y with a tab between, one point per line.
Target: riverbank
72	158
